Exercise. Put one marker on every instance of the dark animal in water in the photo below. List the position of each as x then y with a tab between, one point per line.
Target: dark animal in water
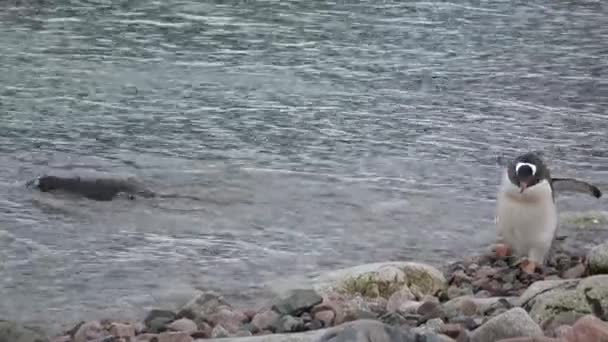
99	189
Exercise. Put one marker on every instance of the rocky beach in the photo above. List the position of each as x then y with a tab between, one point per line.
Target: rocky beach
479	298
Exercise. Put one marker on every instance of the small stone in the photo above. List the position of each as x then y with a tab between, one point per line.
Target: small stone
458	291
175	337
531	339
297	301
265	319
306	317
468	307
89	331
315	324
325	316
219	332
398	298
146	337
434	324
451	329
122	330
183	325
393	318
574	272
562	331
429	310
287	324
513	323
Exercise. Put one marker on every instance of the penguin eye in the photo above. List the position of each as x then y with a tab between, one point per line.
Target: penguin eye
531	166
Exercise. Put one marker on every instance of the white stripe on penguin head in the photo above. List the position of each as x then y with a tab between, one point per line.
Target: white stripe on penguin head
532	166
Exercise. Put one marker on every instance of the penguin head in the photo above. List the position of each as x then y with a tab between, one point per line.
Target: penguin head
527	170
46	183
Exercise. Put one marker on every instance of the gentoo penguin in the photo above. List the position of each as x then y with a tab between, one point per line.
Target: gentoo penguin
526	216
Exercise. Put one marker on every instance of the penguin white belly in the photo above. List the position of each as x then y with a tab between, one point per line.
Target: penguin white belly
527	221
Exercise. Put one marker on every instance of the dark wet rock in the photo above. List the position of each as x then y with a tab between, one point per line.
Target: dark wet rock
315	324
367	331
297	301
100	189
513	323
394	318
287	324
13	332
159	317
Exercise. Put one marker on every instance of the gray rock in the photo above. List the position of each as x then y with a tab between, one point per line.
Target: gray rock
13	332
184	325
297	301
546	299
399	298
90	331
202	305
367	331
288	324
165	316
598	259
513	323
421	279
219	332
265	319
472	305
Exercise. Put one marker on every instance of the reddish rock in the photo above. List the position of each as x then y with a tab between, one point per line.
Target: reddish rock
249	313
89	331
174	337
122	330
325	316
588	328
229	319
264	319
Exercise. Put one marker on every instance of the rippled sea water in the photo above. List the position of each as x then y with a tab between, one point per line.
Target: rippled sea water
316	134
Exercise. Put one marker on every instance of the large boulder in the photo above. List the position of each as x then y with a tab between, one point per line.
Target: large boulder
513	323
545	300
13	332
381	279
598	259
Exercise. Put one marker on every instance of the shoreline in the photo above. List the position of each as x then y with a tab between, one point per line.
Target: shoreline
454	302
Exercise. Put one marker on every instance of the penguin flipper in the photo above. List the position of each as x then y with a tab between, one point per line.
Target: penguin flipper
571	184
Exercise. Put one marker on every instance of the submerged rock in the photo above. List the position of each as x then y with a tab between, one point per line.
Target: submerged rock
297	301
13	332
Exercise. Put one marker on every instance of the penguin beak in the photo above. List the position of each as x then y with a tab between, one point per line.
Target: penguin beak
522	186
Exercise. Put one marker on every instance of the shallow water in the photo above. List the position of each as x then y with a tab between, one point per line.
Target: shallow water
316	135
